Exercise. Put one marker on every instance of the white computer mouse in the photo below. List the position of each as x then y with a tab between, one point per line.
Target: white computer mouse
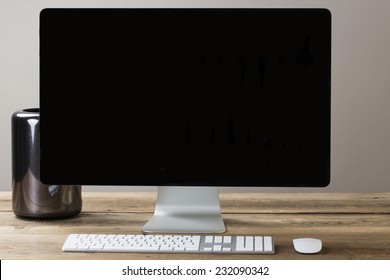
307	245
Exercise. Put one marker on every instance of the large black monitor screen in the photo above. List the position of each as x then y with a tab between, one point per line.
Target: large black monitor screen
192	97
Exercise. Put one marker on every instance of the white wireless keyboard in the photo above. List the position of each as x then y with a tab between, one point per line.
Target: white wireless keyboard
217	244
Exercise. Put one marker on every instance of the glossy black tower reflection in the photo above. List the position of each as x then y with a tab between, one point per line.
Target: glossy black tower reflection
31	198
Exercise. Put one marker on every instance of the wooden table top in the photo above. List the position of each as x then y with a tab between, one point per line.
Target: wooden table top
350	225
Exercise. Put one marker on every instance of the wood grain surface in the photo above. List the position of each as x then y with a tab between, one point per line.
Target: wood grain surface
350	225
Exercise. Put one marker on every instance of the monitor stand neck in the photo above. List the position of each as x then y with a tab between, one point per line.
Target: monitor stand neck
186	210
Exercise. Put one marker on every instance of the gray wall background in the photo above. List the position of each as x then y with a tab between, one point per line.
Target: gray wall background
360	82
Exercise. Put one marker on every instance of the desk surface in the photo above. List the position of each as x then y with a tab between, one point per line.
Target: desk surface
351	226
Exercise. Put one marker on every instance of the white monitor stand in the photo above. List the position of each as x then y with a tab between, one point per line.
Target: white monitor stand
186	210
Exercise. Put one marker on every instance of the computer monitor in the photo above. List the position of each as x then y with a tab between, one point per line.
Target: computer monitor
188	100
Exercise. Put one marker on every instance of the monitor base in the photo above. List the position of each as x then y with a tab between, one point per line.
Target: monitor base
186	210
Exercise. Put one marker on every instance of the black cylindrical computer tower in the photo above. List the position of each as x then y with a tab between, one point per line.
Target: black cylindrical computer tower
31	199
